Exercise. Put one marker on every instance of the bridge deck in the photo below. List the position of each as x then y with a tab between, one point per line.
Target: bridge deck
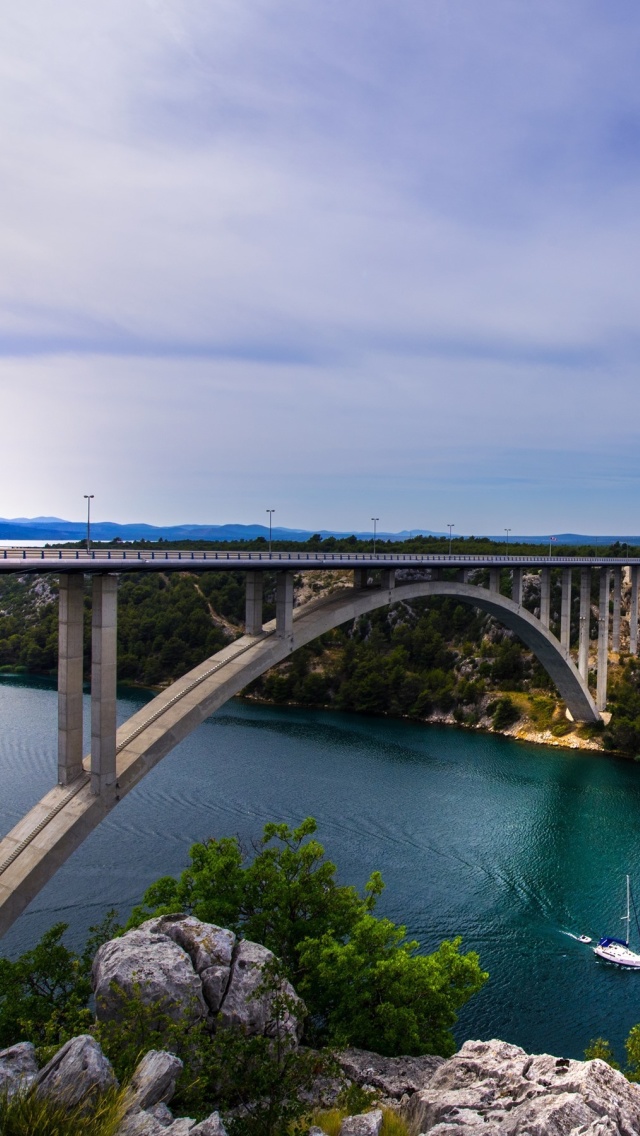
58	560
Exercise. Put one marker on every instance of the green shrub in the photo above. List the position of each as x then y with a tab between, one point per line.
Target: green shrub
504	714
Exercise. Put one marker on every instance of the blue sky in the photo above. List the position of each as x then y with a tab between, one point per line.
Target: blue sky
341	258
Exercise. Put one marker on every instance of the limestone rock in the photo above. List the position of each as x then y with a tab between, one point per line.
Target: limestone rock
492	1087
364	1124
205	943
212	1126
77	1071
153	964
18	1068
243	1007
162	1113
154	1079
215	980
143	1123
393	1076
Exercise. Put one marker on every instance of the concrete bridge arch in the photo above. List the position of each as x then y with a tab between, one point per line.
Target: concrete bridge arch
33	851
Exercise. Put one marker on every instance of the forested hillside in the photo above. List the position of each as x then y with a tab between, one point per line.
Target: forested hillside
436	659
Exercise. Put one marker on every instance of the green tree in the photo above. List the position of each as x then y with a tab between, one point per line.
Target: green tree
600	1048
44	993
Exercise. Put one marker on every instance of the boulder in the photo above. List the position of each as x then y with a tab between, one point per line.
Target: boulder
491	1087
205	943
18	1068
364	1124
154	1079
395	1077
212	1126
152	964
146	1124
242	1006
78	1071
162	1113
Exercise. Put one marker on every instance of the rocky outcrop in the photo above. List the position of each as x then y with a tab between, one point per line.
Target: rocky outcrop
393	1077
152	965
244	1006
154	1080
79	1071
192	970
18	1068
490	1087
364	1124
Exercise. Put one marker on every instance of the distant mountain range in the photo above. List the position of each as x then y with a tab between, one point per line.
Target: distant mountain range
55	529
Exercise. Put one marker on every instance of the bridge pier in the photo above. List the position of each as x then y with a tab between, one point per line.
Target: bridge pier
388	578
516	586
494	579
70	660
617	610
360	577
545	596
603	638
585	622
633	612
103	682
565	609
253	603
284	605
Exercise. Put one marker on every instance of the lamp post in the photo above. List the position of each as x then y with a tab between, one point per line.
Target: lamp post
450	527
88	498
270	512
375	521
507	532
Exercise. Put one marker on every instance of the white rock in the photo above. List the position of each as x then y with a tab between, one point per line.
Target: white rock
364	1124
154	1079
18	1068
162	1113
212	1126
492	1087
205	943
154	965
243	1007
77	1071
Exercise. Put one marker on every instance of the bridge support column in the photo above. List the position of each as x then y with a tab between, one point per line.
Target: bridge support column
494	579
585	622
633	613
617	610
545	596
516	586
103	683
284	605
565	609
388	578
436	573
253	608
603	638
70	636
360	577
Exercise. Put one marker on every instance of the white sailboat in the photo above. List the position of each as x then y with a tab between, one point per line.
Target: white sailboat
617	951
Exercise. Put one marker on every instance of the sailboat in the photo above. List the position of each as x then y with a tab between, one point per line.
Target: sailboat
617	950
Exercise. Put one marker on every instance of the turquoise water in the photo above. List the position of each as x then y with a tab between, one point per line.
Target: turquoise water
513	846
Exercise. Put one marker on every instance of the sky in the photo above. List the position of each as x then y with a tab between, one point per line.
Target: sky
339	258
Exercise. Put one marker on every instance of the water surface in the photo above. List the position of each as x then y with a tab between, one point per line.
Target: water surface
513	846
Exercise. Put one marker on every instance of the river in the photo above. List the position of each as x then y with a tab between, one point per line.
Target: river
513	846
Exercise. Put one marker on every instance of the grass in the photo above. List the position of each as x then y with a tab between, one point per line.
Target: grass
27	1114
330	1121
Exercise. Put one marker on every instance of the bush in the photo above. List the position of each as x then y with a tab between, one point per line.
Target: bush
504	714
27	1114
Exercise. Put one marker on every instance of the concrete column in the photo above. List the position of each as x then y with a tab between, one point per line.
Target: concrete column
360	577
253	606
103	683
633	613
516	585
603	638
70	638
565	609
388	578
284	605
436	573
545	596
617	609
494	579
585	622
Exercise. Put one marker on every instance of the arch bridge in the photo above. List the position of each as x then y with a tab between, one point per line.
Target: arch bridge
90	786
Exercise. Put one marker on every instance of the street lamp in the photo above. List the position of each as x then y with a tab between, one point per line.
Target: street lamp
507	532
375	521
88	498
270	512
450	527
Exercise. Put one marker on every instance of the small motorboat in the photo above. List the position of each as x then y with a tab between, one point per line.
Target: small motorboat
617	951
584	939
